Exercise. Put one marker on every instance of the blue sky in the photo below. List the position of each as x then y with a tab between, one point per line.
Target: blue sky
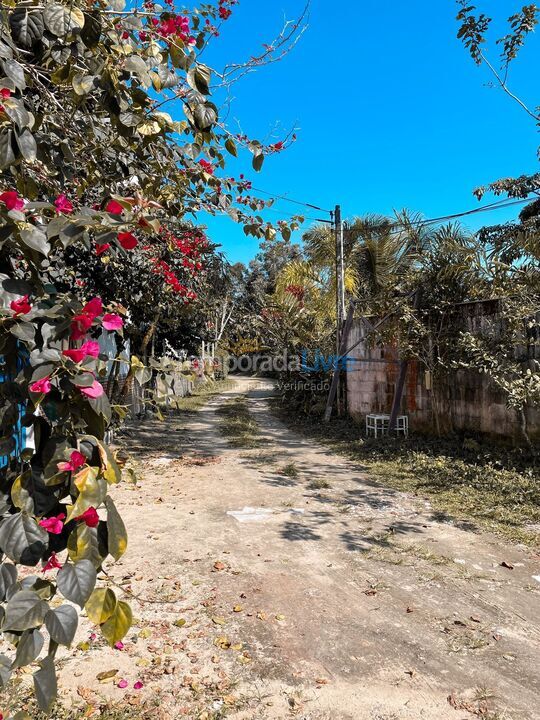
391	111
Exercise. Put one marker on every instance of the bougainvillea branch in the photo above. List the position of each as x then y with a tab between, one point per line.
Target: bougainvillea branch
96	187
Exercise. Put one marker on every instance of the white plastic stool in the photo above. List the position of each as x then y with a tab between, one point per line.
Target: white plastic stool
377	425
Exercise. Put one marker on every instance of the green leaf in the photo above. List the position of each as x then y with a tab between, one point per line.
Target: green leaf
8	577
27	145
101	605
28	648
230	145
109	467
83	84
26	26
17	113
258	160
92	492
199	78
24	611
45	685
24	331
36	240
5	670
117	626
101	406
117	534
15	72
61	20
62	624
83	544
76	582
205	116
7	154
91	32
22	539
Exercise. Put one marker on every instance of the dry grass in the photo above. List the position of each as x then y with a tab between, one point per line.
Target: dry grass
474	483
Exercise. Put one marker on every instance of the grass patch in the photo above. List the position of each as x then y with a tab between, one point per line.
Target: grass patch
496	488
237	424
201	395
319	484
290	470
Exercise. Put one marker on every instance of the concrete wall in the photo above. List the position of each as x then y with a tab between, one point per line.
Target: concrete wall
466	400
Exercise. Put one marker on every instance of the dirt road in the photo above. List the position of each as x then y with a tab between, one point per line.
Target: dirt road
280	582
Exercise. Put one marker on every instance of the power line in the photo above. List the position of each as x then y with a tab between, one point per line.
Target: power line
291	200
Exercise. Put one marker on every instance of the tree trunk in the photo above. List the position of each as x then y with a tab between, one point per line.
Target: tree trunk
149	335
524	429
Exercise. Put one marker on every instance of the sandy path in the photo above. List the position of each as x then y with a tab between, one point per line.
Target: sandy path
350	602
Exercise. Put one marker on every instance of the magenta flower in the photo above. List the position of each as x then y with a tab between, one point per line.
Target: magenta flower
94	391
101	248
52	563
119	646
53	525
122	684
112	321
76	460
76	354
80	325
127	240
12	200
138	685
114	207
90	348
89	517
42	386
63	205
21	306
93	308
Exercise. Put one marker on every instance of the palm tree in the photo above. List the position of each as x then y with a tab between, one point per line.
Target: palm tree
378	254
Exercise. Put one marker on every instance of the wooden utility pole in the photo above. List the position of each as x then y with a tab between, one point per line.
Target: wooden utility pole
343	339
340	275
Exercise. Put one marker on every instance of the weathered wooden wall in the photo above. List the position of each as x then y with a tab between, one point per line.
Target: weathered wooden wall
466	400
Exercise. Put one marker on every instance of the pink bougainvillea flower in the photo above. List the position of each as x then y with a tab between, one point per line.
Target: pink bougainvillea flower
119	646
93	308
114	207
21	306
92	636
77	354
76	460
63	204
122	684
89	517
41	386
52	563
138	685
94	391
111	321
12	200
207	166
90	348
127	240
101	248
53	525
80	325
